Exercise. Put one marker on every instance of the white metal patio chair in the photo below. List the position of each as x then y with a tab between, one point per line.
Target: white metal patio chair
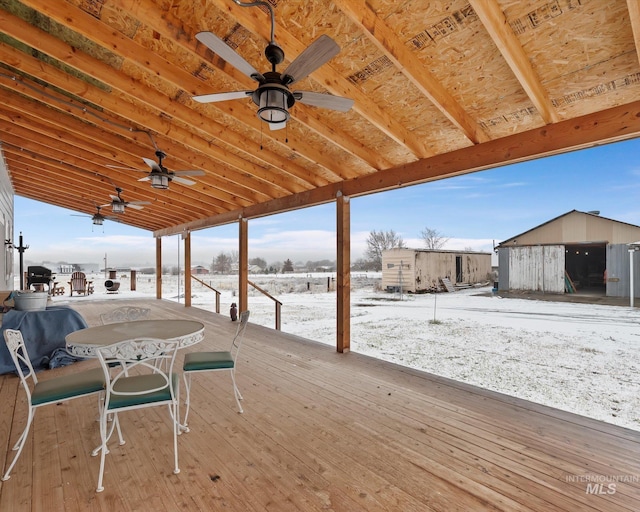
125	314
215	361
45	392
135	379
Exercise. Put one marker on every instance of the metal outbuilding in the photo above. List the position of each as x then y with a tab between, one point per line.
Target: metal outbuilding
576	251
420	270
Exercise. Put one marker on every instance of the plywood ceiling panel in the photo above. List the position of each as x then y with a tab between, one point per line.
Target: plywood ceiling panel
90	88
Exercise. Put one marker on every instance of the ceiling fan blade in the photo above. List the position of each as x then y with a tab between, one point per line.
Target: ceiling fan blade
222	96
184	181
222	49
146	178
134	206
152	163
105	205
322	50
192	172
131	203
277	126
317	99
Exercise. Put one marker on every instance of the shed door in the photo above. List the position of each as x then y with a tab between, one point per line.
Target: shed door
459	276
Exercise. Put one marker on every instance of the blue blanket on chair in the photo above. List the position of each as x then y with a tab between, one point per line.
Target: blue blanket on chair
43	333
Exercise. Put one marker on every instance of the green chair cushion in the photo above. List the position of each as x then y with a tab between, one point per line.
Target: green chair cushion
198	361
139	383
68	386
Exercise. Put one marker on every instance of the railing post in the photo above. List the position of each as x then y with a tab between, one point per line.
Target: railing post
278	311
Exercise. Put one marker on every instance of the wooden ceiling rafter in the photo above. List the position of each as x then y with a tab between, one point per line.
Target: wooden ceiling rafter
109	102
67	177
440	89
502	35
49	174
92	146
254	20
385	39
634	18
128	87
160	23
95	31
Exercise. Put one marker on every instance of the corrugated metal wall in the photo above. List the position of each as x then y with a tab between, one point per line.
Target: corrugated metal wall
535	268
619	269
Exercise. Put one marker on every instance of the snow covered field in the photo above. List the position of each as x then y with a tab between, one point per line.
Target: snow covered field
581	358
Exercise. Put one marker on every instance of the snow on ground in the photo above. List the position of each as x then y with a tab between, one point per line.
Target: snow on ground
582	358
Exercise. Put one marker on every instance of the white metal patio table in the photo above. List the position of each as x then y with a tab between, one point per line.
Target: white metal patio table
83	343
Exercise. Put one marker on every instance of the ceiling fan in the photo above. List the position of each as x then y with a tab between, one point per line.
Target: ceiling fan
273	96
97	218
160	176
118	205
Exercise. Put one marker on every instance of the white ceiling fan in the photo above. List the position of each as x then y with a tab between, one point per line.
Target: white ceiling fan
273	96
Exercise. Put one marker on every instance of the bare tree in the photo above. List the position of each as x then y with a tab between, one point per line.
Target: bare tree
221	264
433	239
379	241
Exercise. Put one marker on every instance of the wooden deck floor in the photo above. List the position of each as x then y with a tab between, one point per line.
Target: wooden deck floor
321	431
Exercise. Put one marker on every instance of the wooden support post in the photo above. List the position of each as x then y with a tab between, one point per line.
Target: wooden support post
243	265
187	269
343	291
158	267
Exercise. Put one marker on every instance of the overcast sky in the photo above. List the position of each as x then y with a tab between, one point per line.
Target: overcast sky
472	211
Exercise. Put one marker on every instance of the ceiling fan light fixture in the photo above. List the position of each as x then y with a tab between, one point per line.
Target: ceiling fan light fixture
273	105
117	207
97	221
159	181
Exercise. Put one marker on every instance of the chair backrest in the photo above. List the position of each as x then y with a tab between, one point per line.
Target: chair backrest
239	336
18	350
78	281
125	314
146	361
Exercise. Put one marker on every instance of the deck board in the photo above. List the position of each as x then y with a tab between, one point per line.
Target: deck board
321	431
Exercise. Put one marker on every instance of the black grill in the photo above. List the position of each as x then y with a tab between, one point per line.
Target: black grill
39	275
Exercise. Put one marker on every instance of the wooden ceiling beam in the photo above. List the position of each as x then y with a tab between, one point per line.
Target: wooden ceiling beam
385	39
244	112
123	148
34	177
501	33
159	22
133	91
105	36
41	143
56	77
105	146
61	180
37	190
634	17
611	125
